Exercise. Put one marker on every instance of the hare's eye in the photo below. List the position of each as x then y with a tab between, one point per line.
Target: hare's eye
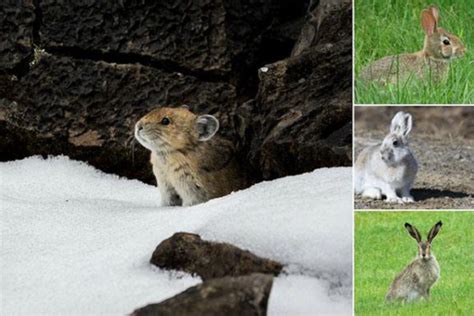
446	42
395	143
165	121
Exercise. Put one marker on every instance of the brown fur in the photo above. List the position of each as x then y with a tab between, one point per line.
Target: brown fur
415	281
432	62
186	167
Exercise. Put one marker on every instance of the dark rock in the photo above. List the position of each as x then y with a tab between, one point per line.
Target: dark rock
189	253
87	109
280	37
245	295
106	64
205	35
17	18
329	22
302	116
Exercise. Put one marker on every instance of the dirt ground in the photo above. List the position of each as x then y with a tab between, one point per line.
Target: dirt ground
442	140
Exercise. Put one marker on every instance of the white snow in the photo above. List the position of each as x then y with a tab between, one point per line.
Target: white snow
78	241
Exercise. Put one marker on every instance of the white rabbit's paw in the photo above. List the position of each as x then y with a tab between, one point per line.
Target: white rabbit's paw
372	193
408	199
395	199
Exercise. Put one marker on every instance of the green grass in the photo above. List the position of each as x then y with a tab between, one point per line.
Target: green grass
383	248
391	27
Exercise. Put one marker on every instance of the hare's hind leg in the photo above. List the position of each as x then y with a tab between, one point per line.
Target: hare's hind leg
372	193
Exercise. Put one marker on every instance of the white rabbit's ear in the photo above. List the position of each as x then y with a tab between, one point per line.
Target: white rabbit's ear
429	18
401	124
207	126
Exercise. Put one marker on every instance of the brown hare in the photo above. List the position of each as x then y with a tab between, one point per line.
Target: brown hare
415	281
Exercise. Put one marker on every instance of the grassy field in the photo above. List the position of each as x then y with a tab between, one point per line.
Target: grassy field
390	27
383	248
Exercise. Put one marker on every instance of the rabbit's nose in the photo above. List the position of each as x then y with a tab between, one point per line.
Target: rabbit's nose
139	126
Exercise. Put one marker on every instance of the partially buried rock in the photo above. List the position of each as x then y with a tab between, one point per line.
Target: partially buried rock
189	253
245	295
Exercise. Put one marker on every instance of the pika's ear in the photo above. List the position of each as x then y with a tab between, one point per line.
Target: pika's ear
207	126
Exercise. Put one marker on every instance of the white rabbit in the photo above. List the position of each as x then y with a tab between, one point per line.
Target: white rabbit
389	168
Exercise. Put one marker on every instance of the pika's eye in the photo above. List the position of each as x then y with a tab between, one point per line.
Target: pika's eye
395	143
446	42
165	121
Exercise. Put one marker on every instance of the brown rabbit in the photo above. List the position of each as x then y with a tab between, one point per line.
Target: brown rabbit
415	281
431	62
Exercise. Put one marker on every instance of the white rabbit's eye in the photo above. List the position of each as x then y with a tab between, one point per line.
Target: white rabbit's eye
446	42
395	143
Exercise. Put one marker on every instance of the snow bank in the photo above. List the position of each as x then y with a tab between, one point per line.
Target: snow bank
78	241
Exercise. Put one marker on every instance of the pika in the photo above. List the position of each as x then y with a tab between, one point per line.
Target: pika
190	162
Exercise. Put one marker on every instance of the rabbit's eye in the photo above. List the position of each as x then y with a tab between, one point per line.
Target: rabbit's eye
446	42
165	121
395	143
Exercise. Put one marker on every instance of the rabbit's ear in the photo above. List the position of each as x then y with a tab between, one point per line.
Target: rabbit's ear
413	232
435	13
401	124
428	21
434	231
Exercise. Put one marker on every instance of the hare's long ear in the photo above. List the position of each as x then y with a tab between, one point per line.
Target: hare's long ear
434	231
401	124
207	126
428	21
413	232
